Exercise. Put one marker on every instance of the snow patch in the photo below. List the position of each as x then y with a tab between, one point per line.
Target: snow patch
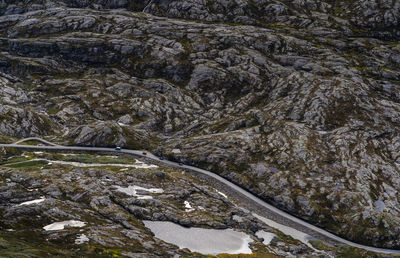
81	239
237	218
33	201
61	225
111	157
267	236
140	164
221	193
188	207
132	191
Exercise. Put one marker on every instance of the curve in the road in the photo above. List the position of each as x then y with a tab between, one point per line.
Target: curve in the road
220	179
35	139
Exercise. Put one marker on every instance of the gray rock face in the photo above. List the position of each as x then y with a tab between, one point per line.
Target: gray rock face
297	101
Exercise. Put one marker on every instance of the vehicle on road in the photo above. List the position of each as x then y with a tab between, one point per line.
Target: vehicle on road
117	148
161	158
144	153
180	164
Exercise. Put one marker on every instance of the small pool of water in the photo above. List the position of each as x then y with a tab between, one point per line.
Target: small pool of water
204	241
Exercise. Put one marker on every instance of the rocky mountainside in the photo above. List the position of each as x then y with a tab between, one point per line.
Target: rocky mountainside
297	101
63	204
111	203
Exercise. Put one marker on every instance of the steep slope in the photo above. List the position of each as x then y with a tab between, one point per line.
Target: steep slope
369	18
297	101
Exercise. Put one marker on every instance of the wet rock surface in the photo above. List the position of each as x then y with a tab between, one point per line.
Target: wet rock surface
296	101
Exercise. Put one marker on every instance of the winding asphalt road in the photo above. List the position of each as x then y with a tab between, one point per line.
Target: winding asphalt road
227	183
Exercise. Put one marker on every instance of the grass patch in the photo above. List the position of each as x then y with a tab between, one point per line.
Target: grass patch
34	143
349	252
6	139
317	244
15	160
29	244
28	164
88	159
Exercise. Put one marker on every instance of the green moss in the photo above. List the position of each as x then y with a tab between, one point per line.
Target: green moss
5	139
286	238
137	5
350	252
359	68
30	143
53	110
317	244
29	164
185	42
31	244
88	158
220	127
14	160
338	11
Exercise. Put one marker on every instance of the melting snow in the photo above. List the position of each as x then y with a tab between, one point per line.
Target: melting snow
141	164
33	201
221	193
188	207
81	239
132	191
61	225
267	236
237	218
111	157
